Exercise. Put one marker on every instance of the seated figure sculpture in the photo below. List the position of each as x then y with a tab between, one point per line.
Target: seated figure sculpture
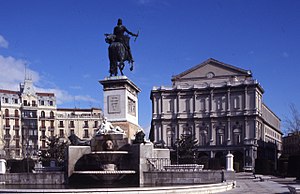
107	127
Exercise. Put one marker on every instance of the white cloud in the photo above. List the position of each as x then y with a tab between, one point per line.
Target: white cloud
3	42
12	73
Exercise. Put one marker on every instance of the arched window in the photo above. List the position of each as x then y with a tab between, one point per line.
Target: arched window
220	136
6	113
237	136
203	134
203	138
187	130
236	102
16	113
43	114
51	114
170	137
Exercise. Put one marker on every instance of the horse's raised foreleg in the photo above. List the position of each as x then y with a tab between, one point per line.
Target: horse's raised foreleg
131	66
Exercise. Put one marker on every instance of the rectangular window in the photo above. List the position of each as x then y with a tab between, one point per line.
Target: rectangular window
52	124
72	124
220	139
17	133
5	100
61	133
25	102
96	124
86	133
16	101
42	102
17	144
43	123
43	134
236	103
51	103
86	125
43	144
61	124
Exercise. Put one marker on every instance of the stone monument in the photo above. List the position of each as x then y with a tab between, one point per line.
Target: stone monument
121	103
120	93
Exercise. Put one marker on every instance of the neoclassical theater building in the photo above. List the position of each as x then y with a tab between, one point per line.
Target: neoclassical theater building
222	107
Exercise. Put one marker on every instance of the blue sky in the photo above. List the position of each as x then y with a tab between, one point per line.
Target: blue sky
62	44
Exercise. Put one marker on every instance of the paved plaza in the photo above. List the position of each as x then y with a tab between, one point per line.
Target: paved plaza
246	183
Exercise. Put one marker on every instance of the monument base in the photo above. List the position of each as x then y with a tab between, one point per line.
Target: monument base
121	104
129	128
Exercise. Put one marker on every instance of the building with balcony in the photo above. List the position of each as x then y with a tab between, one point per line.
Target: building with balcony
29	117
221	106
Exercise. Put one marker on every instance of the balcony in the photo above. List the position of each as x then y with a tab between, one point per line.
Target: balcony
42	128
28	107
51	128
16	127
71	126
61	126
85	126
11	116
16	137
6	126
7	136
46	118
29	117
43	137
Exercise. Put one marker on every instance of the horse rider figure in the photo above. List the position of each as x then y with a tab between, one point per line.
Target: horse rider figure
119	31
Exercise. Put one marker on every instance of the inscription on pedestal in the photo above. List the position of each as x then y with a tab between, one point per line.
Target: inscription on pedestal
114	104
131	107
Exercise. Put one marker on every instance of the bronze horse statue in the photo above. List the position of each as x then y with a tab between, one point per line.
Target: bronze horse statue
118	54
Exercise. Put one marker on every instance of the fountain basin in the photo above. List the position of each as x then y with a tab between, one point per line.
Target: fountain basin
106	172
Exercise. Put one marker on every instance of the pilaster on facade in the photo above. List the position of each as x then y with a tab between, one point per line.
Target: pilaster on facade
220	103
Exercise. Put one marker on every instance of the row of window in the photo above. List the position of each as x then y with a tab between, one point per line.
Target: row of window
16	113
186	104
6	100
204	139
72	124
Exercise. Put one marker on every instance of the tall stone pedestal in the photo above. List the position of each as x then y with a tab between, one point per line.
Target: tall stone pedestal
121	103
229	162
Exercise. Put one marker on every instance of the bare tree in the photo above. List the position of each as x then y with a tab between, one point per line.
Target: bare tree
292	123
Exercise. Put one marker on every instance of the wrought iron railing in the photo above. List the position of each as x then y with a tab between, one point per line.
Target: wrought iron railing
164	164
157	164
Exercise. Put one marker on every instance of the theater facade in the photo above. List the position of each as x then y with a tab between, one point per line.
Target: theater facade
222	107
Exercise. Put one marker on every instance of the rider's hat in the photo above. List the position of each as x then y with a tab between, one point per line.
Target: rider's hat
119	21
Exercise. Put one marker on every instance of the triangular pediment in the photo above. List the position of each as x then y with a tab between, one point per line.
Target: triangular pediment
211	68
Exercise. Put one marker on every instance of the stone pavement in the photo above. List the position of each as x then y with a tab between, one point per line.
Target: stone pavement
246	184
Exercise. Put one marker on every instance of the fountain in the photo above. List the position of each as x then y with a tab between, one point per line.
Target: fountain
107	162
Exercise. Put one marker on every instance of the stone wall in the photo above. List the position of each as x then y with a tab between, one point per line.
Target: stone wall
180	177
50	178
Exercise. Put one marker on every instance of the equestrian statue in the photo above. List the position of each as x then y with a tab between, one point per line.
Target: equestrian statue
119	48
